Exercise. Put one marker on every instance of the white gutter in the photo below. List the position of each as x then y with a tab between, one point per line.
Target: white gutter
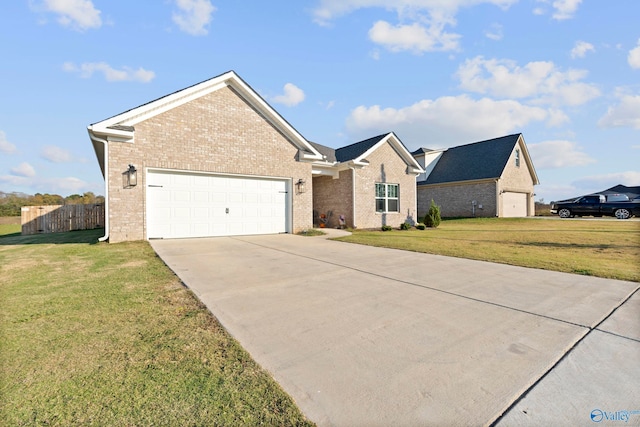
353	193
106	184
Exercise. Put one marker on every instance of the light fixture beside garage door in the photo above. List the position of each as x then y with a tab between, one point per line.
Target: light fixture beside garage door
130	177
300	186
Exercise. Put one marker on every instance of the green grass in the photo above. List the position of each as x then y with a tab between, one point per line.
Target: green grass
10	229
603	248
105	334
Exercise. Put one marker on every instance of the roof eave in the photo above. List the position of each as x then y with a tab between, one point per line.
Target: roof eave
228	79
399	147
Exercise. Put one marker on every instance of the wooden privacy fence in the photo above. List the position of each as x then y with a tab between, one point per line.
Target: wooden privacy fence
59	218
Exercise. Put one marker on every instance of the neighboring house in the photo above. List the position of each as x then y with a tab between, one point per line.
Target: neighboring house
370	183
215	159
484	179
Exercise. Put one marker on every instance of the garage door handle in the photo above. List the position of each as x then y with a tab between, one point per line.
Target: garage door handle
226	210
151	185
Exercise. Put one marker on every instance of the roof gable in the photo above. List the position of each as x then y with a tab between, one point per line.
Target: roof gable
122	126
357	153
479	160
353	151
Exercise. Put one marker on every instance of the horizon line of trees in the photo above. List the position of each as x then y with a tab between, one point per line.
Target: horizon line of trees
11	203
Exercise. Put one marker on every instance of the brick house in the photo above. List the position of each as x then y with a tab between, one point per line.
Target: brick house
492	178
215	159
344	186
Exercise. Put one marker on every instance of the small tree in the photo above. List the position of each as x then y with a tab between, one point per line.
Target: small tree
432	219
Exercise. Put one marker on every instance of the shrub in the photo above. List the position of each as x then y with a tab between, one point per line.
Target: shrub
387	228
405	226
432	219
420	226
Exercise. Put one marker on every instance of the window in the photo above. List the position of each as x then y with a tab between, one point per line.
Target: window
517	158
387	197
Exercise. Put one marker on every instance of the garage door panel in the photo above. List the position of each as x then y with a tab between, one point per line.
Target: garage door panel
195	205
514	205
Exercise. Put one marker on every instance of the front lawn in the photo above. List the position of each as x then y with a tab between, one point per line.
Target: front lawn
604	247
105	334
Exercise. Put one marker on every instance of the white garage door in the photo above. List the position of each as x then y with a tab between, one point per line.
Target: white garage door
514	205
196	205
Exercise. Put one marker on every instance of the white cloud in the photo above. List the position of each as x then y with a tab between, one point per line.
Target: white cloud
495	33
414	38
63	186
422	23
540	81
87	69
292	96
56	154
581	48
624	114
68	184
331	9
563	9
24	169
634	57
194	16
436	123
558	154
602	182
77	14
5	146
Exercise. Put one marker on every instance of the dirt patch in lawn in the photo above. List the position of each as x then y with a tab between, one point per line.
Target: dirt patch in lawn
10	220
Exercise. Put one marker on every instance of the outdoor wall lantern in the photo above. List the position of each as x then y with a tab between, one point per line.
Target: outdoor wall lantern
300	186
130	177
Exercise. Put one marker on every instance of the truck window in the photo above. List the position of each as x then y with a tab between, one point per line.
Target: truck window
590	200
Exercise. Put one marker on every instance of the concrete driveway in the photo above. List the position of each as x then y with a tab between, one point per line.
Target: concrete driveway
364	336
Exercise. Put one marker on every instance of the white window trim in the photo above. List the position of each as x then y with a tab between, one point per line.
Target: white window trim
387	198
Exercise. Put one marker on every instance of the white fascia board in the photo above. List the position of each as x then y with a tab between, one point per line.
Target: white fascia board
528	160
112	134
166	103
317	170
309	152
395	143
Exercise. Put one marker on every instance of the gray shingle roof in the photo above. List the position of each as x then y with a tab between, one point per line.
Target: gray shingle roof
479	160
421	150
329	152
350	152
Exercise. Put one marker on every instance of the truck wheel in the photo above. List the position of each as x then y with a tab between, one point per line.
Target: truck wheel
622	214
564	213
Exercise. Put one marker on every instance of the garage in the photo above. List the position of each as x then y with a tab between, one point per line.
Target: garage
514	205
187	204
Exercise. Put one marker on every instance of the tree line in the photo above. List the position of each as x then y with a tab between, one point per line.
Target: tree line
10	203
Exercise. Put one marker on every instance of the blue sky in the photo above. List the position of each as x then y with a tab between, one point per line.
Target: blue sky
439	73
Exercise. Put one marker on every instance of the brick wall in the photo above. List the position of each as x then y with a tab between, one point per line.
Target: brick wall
518	179
385	165
456	200
218	132
332	197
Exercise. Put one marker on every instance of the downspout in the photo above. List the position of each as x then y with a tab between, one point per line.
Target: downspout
106	185
353	194
498	199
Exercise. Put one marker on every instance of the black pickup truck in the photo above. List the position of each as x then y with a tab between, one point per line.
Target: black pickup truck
597	205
